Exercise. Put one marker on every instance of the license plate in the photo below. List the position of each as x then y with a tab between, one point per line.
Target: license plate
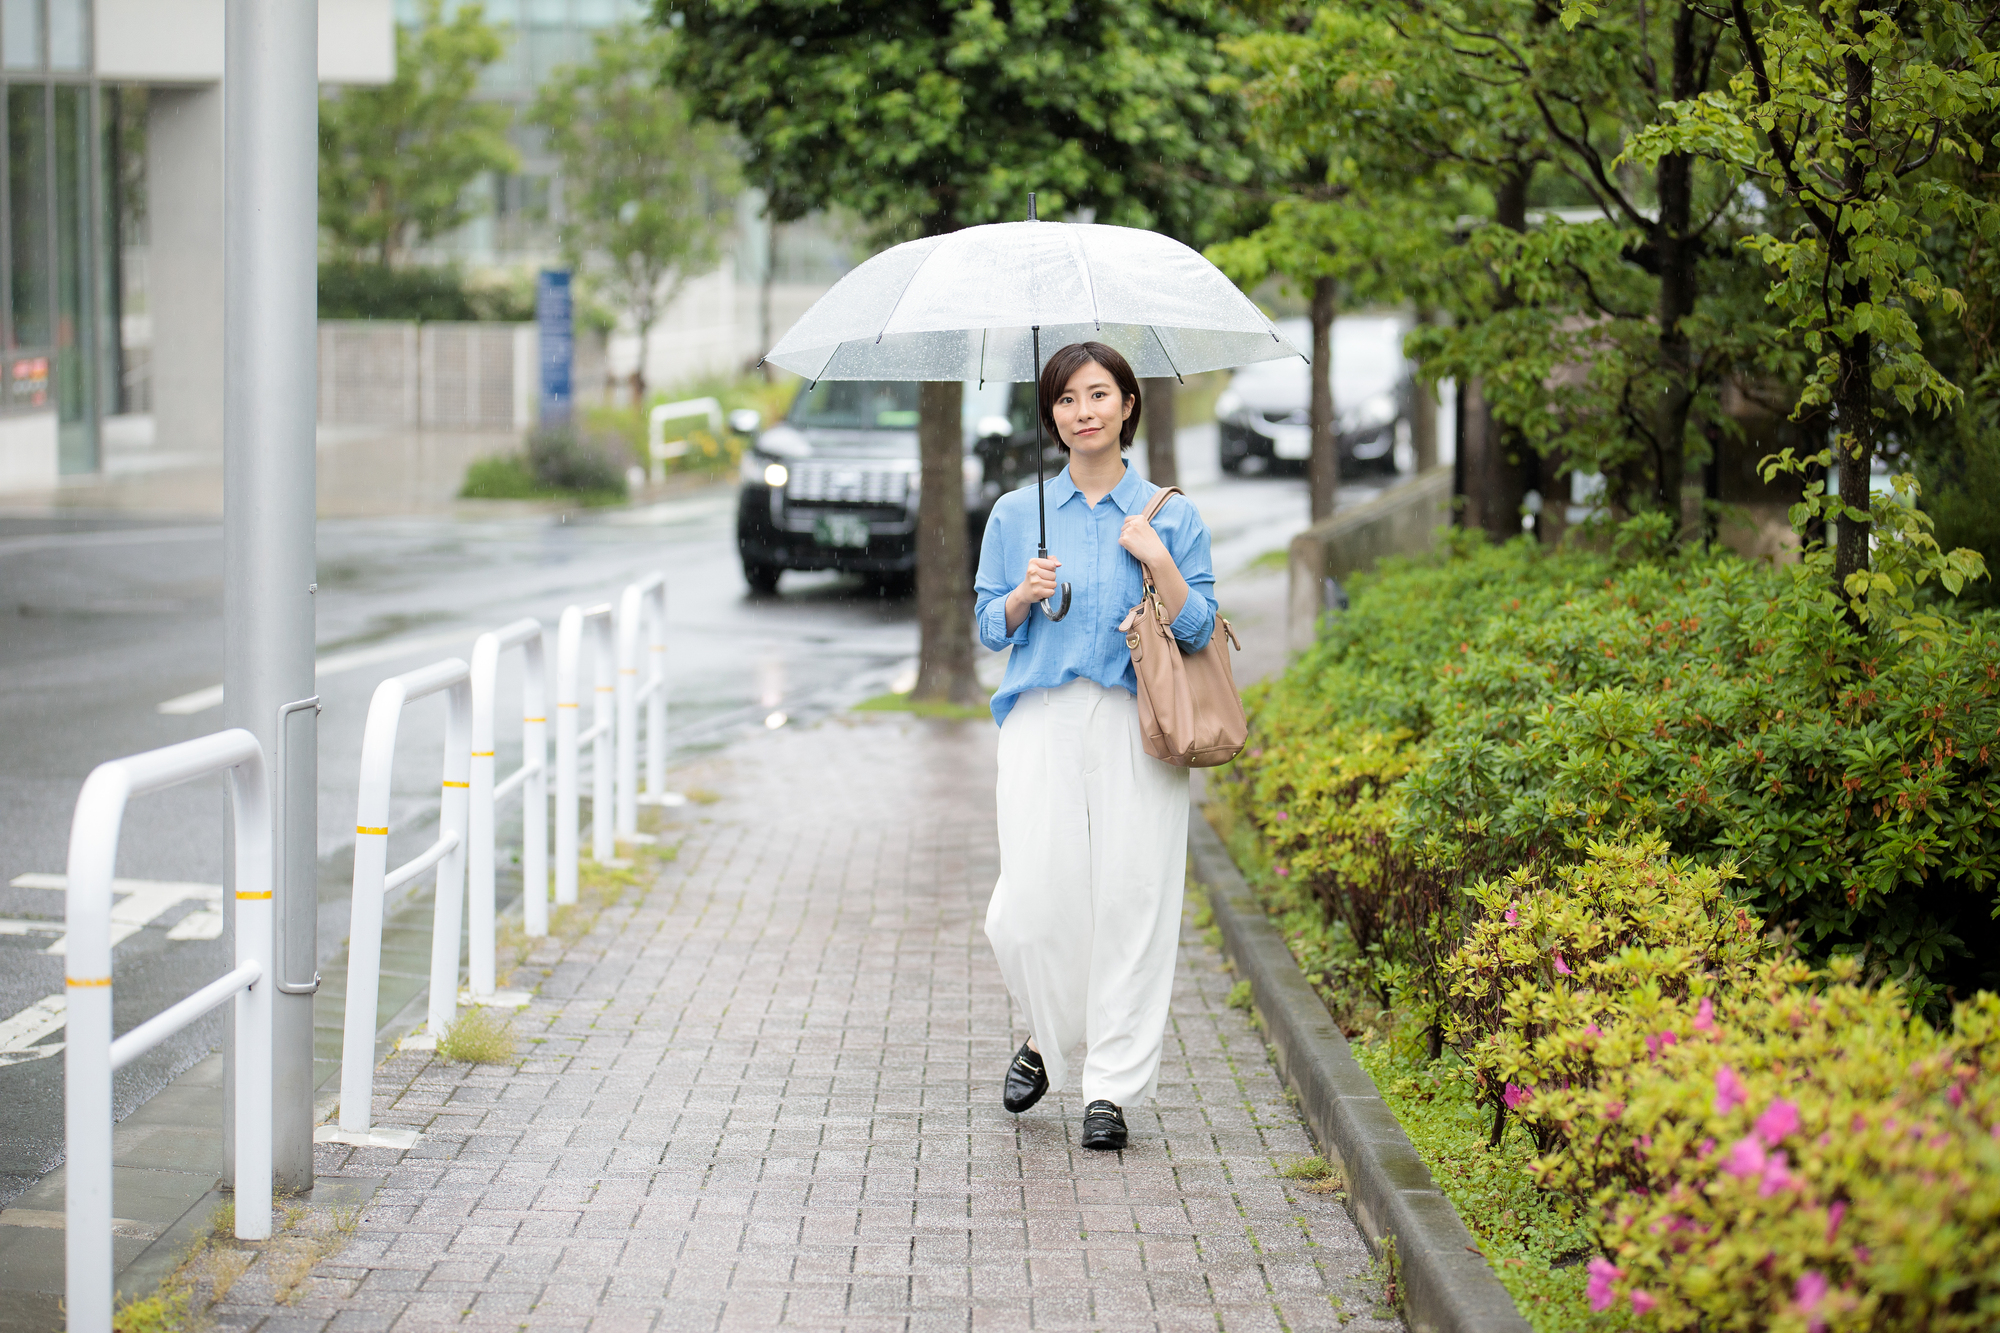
840	530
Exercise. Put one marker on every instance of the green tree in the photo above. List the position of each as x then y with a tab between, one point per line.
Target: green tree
395	160
1845	113
646	188
927	117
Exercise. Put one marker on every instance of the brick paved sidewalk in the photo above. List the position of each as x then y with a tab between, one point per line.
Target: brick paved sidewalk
765	1093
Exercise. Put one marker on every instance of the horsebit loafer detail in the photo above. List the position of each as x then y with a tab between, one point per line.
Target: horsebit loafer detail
1027	1080
1103	1126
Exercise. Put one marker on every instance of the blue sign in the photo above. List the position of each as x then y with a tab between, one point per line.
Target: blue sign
553	316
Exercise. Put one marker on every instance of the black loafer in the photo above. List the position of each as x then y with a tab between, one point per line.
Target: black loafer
1103	1126
1027	1080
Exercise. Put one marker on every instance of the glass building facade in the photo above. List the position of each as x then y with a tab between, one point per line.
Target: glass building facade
58	281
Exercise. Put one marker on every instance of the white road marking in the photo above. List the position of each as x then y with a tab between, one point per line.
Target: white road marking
54	1221
13	927
19	1034
200	701
140	901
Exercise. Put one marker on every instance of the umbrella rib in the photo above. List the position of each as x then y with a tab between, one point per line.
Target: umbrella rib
1155	331
907	284
1083	267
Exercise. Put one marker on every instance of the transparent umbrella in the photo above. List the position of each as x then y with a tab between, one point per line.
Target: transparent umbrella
979	304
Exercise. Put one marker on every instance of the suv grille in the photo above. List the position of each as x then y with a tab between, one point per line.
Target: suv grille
847	485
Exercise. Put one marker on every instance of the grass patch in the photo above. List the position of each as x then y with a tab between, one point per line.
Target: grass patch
702	795
1278	559
477	1037
903	703
509	477
1537	1252
165	1311
1318	1175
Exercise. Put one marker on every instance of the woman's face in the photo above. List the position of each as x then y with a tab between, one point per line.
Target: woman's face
1090	411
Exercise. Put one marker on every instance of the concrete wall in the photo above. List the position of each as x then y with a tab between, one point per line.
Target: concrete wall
28	458
1401	521
184	266
181	41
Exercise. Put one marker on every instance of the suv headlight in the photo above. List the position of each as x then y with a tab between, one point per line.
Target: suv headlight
1375	412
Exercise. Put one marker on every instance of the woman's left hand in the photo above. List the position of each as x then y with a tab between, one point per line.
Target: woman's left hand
1138	537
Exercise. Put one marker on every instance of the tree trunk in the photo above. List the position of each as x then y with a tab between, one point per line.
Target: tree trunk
1424	412
944	592
1495	470
1161	469
1854	438
764	297
1553	522
1323	467
1673	180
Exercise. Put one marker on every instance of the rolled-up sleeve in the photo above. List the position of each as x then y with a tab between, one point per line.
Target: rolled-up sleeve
993	584
1187	541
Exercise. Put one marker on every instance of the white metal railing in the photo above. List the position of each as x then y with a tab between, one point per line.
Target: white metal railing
659	448
570	740
642	612
530	779
92	1055
374	881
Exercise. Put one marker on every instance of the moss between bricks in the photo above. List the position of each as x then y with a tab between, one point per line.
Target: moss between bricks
1537	1251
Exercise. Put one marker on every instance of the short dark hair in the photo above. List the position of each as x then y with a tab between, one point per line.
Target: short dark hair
1058	369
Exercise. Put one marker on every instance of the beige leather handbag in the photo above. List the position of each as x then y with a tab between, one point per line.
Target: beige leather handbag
1190	715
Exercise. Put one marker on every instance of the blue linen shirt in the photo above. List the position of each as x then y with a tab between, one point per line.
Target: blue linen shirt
1104	578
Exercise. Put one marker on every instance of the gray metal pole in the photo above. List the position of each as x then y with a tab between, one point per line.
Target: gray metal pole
270	386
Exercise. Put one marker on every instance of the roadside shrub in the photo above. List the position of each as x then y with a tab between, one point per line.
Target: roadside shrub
1536	703
1554	957
1800	1154
564	459
355	289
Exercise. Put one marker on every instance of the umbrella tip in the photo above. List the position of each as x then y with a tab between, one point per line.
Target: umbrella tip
1031	207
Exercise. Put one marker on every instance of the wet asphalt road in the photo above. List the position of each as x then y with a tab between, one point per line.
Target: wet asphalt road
103	620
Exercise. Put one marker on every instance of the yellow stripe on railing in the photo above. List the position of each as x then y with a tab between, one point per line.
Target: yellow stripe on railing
251	897
87	981
482	754
449	783
378	832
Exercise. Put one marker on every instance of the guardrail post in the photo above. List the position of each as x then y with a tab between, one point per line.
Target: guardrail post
570	739
373	880
91	1055
449	914
642	609
530	777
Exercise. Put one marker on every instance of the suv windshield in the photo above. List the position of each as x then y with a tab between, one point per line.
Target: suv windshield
857	405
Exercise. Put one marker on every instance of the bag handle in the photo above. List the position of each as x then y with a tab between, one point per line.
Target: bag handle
1152	511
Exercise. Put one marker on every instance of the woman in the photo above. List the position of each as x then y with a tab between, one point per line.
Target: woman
1093	831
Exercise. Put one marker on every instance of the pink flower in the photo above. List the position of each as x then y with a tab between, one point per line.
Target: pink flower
1746	1158
1833	1216
1512	916
1283	871
1704	1017
1283	815
1807	1294
1602	1274
1643	1303
1729	1091
1706	1147
1955	1095
1592	1030
1780	1119
1514	1094
1777	1178
1659	1041
1562	968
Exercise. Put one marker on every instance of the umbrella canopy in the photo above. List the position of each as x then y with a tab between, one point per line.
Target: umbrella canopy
964	305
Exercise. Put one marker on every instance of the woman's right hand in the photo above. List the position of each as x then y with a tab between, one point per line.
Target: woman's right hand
1038	586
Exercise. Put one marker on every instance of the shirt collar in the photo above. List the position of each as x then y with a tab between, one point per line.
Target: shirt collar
1128	494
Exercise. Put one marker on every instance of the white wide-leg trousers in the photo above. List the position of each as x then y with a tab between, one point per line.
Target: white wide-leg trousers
1093	859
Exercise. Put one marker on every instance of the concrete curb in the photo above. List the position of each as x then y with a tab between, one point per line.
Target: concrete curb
1447	1285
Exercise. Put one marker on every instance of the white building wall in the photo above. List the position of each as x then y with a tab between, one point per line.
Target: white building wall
181	41
28	460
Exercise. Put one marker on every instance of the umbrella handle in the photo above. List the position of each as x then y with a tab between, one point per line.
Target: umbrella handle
1058	614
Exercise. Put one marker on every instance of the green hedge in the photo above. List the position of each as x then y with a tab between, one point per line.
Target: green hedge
349	289
1500	707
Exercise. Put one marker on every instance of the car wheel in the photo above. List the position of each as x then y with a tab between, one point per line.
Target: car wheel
762	578
1232	463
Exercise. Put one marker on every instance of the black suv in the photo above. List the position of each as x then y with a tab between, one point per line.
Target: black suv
834	485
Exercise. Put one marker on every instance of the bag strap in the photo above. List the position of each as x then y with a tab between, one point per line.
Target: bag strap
1152	511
